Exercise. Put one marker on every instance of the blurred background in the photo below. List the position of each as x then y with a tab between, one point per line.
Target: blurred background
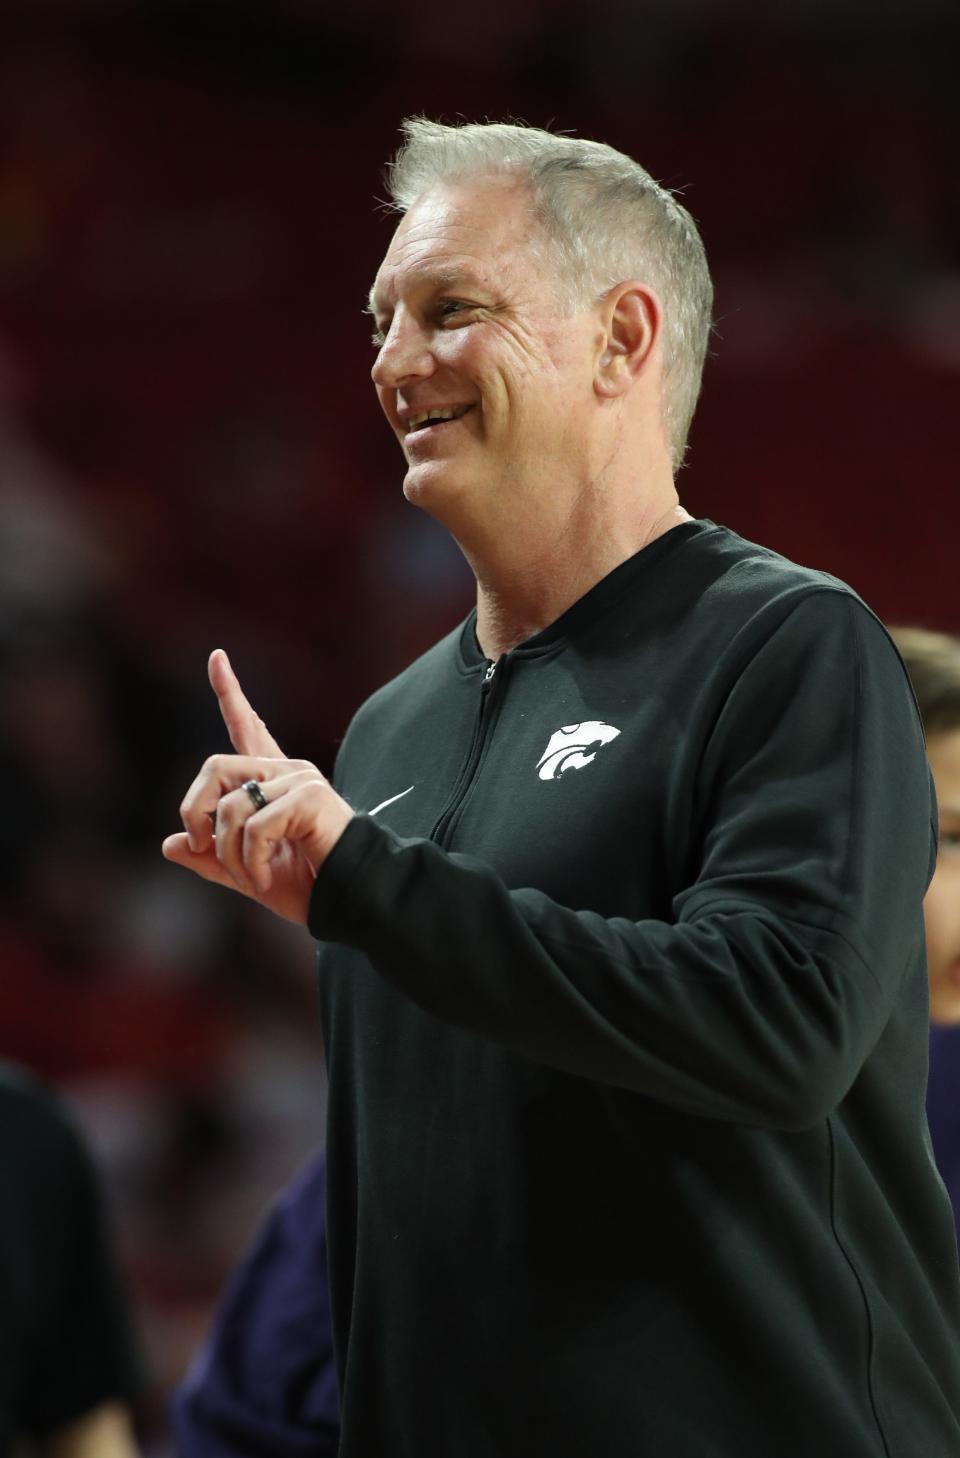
191	455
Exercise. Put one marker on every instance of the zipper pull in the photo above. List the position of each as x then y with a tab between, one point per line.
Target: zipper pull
491	670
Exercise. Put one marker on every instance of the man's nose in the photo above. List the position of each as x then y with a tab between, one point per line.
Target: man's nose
404	355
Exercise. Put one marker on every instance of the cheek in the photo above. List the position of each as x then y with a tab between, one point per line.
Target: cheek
464	362
521	359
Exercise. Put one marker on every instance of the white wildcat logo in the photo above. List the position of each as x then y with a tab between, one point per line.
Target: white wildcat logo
565	750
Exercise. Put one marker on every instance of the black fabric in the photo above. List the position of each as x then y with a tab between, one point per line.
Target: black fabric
65	1338
624	995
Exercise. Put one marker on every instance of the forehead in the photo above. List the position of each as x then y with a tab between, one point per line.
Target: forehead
485	232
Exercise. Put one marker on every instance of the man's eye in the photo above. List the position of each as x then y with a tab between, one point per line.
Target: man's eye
447	308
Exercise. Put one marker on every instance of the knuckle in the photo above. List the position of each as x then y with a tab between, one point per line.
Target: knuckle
226	811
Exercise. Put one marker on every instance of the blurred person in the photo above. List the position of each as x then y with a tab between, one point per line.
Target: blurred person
933	662
68	1367
618	895
264	1382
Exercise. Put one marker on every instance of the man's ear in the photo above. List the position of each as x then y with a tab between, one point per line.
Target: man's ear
631	321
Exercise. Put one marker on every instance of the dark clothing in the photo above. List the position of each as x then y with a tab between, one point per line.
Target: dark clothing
625	1004
943	1109
65	1339
264	1385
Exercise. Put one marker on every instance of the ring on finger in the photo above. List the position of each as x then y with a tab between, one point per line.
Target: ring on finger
255	791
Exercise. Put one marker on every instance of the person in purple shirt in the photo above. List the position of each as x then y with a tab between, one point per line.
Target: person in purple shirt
264	1384
933	663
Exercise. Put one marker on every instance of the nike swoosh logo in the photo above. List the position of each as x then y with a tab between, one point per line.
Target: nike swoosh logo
393	798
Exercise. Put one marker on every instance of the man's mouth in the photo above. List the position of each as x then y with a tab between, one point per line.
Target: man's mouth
435	419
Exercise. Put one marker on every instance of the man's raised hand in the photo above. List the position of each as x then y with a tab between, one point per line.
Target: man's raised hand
272	851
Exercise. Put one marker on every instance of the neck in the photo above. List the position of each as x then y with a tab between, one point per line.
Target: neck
532	578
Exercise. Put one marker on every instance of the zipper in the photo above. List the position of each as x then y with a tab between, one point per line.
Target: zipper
472	762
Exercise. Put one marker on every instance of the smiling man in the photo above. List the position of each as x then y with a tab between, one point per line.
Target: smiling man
618	892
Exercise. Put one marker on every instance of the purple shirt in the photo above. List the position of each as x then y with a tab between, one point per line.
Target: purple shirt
264	1384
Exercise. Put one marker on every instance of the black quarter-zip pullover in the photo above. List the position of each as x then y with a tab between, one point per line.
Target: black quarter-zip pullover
624	994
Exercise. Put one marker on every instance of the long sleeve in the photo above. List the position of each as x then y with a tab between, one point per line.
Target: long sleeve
760	1000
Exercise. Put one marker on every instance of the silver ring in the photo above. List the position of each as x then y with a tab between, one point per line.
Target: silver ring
256	794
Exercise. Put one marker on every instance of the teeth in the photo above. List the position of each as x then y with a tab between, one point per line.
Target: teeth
450	412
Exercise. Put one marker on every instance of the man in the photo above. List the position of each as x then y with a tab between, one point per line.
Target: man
68	1369
618	895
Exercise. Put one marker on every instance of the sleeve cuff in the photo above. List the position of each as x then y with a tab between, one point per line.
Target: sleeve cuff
332	911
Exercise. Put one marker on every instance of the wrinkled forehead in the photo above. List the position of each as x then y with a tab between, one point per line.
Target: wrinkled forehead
482	232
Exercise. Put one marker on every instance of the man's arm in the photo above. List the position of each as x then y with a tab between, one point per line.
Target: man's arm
760	1000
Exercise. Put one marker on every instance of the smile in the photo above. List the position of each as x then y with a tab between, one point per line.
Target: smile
430	419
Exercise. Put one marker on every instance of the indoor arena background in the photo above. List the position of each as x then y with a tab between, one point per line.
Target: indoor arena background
191	456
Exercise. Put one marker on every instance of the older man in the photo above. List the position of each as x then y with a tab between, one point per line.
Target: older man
618	895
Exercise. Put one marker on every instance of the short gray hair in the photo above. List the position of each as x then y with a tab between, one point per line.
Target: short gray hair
606	220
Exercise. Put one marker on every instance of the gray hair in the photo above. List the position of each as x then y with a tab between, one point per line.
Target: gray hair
606	220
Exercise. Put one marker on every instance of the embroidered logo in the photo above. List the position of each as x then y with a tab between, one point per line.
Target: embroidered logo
566	748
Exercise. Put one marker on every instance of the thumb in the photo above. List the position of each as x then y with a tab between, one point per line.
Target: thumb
248	733
204	863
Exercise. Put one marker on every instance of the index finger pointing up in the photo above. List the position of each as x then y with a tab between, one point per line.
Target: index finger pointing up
248	733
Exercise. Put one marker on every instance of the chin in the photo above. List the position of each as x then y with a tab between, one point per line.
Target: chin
434	487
